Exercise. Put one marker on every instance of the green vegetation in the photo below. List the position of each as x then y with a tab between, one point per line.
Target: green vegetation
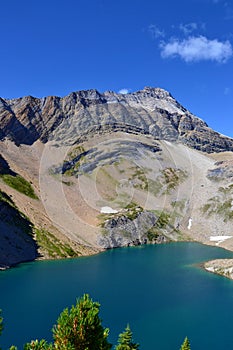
75	169
19	184
161	223
53	246
139	178
75	152
166	181
163	219
79	154
185	345
179	205
125	341
172	178
80	328
152	234
132	210
221	204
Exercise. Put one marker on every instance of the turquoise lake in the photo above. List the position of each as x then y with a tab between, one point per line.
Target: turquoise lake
159	290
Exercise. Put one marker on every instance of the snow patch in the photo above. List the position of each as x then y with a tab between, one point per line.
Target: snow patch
108	210
219	239
190	223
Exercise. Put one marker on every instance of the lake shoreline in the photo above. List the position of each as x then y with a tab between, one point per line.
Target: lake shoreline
222	267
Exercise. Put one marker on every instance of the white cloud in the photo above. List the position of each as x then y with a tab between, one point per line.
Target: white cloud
155	31
123	91
194	49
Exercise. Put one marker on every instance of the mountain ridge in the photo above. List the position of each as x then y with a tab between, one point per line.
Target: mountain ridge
151	111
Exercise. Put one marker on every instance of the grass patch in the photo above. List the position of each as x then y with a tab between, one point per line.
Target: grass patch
163	219
19	184
172	178
53	246
132	210
152	234
75	152
139	178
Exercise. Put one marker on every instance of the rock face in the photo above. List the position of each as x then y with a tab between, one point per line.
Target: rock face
222	169
82	114
123	231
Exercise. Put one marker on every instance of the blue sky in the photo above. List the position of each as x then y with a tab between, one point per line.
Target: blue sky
53	47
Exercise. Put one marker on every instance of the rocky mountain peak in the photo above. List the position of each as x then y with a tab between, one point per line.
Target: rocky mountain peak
82	114
156	92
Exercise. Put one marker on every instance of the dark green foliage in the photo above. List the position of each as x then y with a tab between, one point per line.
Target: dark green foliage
185	345
125	340
80	328
19	184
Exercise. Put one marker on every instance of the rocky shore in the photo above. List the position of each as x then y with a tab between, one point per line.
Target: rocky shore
223	267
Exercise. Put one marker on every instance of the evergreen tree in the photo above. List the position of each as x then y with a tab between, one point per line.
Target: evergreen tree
80	328
125	340
185	345
37	345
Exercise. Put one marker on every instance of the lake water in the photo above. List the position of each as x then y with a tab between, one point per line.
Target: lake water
159	290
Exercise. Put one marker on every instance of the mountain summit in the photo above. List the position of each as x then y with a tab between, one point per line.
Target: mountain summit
92	171
82	114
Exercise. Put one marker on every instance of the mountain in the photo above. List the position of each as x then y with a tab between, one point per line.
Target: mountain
76	117
92	171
